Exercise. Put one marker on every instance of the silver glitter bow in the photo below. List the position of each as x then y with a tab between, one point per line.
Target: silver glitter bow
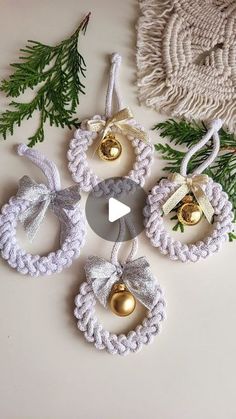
136	275
41	198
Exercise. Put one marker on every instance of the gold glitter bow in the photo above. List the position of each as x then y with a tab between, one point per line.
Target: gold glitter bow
118	120
190	184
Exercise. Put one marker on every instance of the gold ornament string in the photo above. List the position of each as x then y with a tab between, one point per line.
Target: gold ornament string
190	184
119	120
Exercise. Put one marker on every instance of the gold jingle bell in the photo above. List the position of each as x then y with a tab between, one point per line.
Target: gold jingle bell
109	148
190	212
122	302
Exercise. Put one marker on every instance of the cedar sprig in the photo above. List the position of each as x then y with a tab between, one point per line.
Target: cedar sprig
59	70
184	133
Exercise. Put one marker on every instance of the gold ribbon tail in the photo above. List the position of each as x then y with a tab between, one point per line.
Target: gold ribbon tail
204	202
174	199
133	131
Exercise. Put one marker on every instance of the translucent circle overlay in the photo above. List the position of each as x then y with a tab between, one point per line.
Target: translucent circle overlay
127	192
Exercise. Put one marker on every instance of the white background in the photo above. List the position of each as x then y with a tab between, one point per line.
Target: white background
47	370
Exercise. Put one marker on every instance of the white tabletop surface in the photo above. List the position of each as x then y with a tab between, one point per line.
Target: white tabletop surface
47	370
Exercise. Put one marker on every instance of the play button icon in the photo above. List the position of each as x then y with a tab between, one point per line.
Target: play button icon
114	199
116	210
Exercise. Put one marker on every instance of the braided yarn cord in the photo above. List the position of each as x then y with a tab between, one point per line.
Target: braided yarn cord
36	265
116	344
85	303
83	139
159	237
18	258
86	178
186	58
222	207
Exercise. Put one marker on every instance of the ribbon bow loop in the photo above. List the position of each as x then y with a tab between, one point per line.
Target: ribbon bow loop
136	276
40	198
119	120
188	184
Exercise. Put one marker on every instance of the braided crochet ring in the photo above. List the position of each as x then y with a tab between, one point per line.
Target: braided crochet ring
78	163
101	274
218	199
29	206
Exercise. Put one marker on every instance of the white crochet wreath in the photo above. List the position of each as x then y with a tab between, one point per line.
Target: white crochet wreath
72	226
159	237
35	265
223	216
79	166
120	344
88	295
77	153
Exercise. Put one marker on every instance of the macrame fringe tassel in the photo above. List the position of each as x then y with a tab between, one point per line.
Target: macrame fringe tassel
153	87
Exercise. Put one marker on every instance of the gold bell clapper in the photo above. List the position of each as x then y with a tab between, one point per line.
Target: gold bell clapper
122	302
189	213
109	148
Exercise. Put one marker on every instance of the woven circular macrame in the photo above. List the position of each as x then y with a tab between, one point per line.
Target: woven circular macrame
78	163
223	216
186	58
101	275
29	206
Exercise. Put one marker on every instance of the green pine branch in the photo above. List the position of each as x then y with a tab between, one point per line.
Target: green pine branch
184	133
59	69
180	132
178	225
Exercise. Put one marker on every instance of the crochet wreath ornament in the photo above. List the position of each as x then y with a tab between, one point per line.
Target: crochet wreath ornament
103	129
107	281
209	195
29	206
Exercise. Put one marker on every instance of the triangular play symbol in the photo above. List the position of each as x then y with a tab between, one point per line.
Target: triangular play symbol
116	210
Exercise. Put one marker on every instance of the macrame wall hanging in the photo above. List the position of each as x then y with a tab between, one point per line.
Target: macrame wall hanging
186	58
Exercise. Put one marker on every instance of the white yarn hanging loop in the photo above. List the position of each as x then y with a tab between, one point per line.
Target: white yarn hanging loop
223	215
83	139
112	89
72	239
124	222
93	331
212	132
